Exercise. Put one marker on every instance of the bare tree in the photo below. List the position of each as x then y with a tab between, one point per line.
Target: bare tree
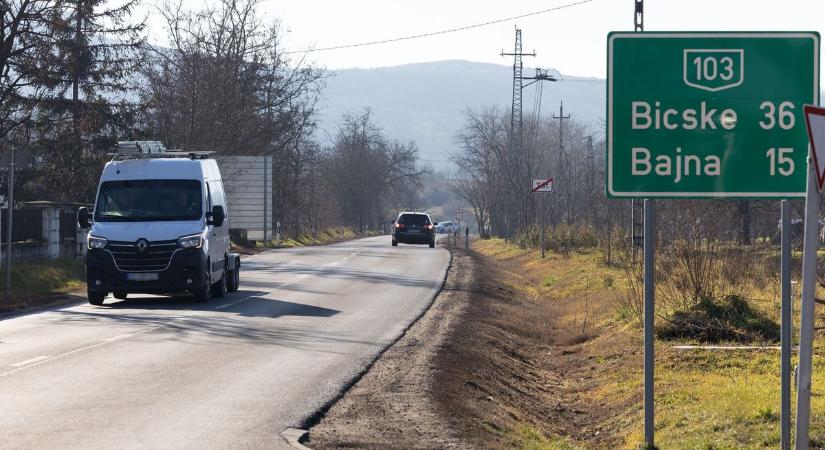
367	172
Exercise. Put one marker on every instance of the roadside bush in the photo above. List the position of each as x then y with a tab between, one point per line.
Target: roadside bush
703	289
630	301
731	319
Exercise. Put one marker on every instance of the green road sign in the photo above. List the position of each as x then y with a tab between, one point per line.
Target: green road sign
709	114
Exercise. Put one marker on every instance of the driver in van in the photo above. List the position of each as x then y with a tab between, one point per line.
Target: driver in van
121	201
183	202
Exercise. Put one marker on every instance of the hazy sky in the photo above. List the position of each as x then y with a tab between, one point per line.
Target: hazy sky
572	40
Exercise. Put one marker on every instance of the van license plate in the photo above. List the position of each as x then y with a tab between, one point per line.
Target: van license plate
141	276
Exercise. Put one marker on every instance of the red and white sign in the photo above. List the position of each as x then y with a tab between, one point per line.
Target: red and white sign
543	185
815	120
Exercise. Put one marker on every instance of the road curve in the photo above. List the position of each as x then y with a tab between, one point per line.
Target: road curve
150	372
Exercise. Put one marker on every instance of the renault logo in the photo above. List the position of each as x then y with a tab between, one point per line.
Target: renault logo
142	245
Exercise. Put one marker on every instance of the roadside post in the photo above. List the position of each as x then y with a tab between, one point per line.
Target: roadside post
278	233
467	238
9	223
541	187
459	214
815	122
715	115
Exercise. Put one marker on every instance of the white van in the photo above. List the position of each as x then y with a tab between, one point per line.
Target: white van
159	226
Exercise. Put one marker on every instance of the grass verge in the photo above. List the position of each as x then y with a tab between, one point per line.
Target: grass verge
705	399
38	283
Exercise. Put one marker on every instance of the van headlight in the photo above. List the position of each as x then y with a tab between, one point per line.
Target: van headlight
193	241
96	243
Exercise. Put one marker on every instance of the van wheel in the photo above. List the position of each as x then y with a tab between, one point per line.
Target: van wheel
394	243
204	294
119	295
95	298
219	288
234	280
432	244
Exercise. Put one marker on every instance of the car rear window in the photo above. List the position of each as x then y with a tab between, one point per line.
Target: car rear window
413	219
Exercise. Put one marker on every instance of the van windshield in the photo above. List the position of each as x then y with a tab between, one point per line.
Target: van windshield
149	200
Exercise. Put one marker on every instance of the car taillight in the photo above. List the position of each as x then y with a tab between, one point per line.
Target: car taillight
429	226
399	225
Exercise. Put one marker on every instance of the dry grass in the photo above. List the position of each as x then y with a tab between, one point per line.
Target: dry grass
36	283
705	399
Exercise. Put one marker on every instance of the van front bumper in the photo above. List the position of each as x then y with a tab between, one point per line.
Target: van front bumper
185	274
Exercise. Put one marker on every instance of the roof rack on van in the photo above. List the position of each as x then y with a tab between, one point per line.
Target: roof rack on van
152	149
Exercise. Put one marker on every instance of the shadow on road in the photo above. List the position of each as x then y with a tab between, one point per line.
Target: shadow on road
209	325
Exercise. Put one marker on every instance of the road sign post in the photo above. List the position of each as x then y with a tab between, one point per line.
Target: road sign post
541	187
712	115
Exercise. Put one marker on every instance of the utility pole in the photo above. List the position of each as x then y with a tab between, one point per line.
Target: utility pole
564	165
515	109
591	177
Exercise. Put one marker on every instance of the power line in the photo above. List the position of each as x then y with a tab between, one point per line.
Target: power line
436	33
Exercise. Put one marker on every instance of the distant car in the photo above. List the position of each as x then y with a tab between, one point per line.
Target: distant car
446	227
413	228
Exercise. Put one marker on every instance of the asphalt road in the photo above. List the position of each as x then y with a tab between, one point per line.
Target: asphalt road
151	372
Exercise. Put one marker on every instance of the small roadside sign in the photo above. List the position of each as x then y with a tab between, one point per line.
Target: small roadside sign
543	185
815	120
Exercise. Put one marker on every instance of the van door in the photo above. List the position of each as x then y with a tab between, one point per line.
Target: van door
219	236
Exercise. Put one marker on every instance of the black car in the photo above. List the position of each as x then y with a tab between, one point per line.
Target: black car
413	228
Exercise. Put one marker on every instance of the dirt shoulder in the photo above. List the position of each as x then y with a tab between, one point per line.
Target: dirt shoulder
491	366
392	405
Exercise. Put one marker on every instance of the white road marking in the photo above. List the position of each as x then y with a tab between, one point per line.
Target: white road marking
77	350
118	337
31	361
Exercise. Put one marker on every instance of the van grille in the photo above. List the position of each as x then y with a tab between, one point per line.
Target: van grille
154	259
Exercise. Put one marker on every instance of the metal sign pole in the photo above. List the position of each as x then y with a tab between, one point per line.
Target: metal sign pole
650	288
543	226
806	319
786	330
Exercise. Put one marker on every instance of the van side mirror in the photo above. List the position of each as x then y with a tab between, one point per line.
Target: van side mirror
84	219
216	217
435	224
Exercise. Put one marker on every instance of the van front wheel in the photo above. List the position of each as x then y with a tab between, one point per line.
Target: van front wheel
234	280
219	288
204	294
95	298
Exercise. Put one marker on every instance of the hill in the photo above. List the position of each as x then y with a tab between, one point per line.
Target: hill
424	102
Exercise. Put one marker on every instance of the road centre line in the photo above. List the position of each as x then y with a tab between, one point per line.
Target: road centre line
31	361
77	350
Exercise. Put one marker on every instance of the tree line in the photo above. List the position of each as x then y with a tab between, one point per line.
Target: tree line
76	76
494	178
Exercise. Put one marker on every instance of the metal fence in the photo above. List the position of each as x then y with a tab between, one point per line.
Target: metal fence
27	225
